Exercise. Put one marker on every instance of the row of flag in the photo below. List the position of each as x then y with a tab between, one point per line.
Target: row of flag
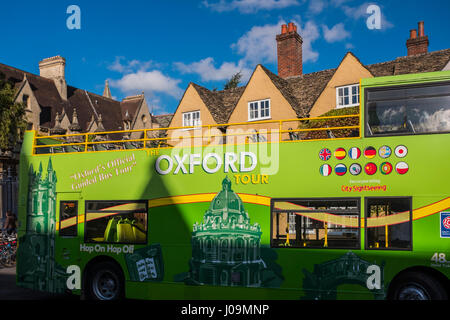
370	152
370	168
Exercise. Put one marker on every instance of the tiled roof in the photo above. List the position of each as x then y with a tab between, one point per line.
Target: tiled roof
426	62
302	91
89	105
163	120
220	103
44	89
130	106
307	88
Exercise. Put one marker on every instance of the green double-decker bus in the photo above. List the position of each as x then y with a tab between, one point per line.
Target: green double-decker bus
351	205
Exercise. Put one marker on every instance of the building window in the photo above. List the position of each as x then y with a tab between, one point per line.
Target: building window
316	223
259	110
45	116
26	101
116	221
407	110
191	119
68	218
388	223
347	96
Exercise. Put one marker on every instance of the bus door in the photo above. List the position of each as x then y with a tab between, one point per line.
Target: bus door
70	210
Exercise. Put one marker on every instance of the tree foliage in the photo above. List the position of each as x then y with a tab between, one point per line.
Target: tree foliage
12	116
234	81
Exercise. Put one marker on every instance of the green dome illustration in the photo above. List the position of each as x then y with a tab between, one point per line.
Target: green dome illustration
227	211
225	246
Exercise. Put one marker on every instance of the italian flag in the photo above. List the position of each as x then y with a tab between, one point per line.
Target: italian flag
325	170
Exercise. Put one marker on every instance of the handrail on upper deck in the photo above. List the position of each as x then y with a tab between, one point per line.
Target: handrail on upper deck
158	138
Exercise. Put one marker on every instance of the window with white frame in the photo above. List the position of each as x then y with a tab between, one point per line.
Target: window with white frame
259	110
191	118
347	96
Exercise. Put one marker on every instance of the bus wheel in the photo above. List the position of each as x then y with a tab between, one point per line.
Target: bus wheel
105	282
418	286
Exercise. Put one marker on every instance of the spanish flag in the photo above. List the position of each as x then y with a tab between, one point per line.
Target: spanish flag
340	153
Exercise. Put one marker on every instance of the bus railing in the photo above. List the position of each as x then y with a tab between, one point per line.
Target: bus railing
265	131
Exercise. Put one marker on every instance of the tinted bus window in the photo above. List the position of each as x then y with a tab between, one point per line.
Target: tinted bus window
68	218
315	223
408	110
116	221
388	223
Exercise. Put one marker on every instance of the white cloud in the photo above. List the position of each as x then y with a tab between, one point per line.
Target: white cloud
309	33
137	77
349	46
338	3
148	81
356	12
317	6
249	6
206	69
336	33
130	66
258	45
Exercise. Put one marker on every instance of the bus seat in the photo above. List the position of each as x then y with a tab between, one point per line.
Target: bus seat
129	145
111	231
99	147
58	150
139	235
125	231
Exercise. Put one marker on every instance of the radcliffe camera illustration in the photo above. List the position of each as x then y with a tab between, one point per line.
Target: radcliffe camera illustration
224	158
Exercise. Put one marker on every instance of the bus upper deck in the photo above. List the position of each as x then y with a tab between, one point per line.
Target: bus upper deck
398	105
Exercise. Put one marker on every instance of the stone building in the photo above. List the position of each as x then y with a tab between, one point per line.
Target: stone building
292	94
55	107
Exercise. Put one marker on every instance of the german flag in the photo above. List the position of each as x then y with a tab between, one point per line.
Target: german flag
370	152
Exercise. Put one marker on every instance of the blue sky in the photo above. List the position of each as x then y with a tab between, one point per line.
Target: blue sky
160	46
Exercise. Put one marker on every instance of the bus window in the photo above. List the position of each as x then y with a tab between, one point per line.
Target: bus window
408	110
116	221
315	223
388	223
68	218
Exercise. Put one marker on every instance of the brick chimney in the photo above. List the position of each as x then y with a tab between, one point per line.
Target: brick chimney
54	68
417	43
289	51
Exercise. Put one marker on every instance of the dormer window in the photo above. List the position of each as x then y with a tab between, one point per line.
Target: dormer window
347	96
259	110
26	101
191	118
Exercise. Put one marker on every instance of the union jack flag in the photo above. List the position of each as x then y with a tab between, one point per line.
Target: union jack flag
325	154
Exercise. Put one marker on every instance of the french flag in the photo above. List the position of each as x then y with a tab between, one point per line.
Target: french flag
354	153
